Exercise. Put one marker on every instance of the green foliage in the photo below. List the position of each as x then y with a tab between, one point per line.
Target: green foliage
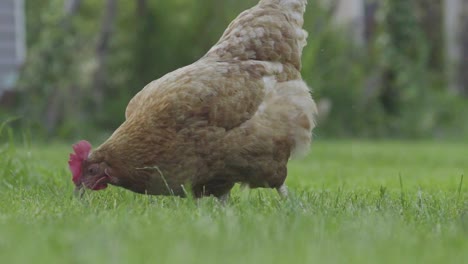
394	86
391	86
330	52
403	58
53	79
347	205
416	82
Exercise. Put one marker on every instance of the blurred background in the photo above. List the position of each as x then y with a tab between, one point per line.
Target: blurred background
378	69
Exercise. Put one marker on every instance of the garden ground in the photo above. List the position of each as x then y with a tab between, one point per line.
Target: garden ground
350	202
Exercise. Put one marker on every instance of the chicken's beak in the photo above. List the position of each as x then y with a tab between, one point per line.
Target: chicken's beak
79	191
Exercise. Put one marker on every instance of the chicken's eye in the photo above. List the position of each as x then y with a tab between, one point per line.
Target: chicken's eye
93	169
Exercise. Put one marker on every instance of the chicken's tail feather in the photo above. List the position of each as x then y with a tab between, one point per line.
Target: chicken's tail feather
288	112
289	106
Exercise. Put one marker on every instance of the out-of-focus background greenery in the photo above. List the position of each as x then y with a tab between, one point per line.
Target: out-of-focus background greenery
378	69
389	68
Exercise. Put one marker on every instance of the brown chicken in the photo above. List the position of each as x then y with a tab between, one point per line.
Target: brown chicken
237	115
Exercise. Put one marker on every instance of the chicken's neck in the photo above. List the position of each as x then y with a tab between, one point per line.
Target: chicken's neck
131	147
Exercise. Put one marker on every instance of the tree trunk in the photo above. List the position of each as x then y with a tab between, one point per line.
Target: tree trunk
351	14
370	20
71	7
456	35
102	50
54	111
463	69
141	7
430	17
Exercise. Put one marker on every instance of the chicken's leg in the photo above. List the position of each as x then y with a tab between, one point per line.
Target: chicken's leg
218	188
224	199
283	191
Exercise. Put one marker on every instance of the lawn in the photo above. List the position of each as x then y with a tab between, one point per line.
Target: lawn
350	202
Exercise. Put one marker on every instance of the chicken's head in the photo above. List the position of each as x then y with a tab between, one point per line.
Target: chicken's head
86	172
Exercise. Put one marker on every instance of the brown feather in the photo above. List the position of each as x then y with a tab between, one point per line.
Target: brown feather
236	115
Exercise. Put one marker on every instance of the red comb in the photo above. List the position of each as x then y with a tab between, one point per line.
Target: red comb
82	150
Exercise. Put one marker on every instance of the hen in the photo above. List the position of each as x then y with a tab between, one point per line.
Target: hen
237	115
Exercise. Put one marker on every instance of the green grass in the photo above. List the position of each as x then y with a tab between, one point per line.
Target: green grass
351	202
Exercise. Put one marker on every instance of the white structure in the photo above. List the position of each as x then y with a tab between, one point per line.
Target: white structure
12	41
